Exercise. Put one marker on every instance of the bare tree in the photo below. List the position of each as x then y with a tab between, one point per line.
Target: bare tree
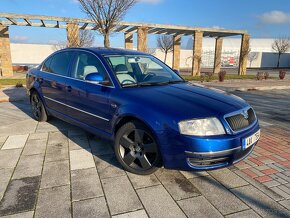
106	13
252	56
86	38
165	44
281	46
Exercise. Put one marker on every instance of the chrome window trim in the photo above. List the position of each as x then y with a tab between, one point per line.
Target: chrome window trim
76	109
69	77
239	112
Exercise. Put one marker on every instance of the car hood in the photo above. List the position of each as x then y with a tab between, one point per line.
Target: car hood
185	100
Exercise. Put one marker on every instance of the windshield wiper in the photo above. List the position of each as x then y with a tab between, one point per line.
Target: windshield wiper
176	81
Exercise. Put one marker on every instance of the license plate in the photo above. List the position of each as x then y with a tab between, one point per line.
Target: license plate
249	141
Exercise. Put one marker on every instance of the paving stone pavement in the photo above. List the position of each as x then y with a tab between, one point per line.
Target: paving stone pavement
58	170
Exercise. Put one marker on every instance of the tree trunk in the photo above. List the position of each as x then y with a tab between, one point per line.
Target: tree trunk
165	57
107	40
278	64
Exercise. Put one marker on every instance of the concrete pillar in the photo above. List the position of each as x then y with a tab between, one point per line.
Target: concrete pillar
218	55
197	51
142	39
73	39
128	40
176	52
245	48
5	52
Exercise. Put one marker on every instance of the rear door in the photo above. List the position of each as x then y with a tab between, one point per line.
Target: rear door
55	71
89	102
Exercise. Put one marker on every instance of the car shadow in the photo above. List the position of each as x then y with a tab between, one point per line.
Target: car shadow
101	149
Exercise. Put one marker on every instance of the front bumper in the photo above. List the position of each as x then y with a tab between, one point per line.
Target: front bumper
203	153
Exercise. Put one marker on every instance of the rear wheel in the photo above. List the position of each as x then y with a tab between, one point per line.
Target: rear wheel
136	149
37	106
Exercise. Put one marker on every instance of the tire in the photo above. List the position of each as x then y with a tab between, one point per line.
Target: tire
136	149
38	109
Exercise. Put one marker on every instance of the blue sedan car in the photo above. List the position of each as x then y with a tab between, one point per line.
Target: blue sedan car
154	117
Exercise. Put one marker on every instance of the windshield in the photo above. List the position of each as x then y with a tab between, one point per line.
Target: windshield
136	70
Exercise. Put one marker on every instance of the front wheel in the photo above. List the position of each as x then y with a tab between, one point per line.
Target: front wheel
38	109
136	149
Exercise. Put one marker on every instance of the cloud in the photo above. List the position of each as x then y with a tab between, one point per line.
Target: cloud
19	39
153	2
275	17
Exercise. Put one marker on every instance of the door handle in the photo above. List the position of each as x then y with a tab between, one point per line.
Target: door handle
69	88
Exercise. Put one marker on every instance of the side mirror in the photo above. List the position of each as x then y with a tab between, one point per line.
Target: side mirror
97	78
176	71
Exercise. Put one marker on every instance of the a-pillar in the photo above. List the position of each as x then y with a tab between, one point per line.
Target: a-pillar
5	52
245	48
73	39
176	52
142	39
197	51
218	55
128	40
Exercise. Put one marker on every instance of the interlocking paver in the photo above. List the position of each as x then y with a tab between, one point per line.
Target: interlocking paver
9	158
272	194
138	213
78	142
54	202
28	214
218	195
120	195
5	175
81	159
260	202
228	178
176	184
199	207
29	166
15	141
55	174
141	181
101	147
95	207
108	166
20	196
85	183
158	203
35	146
193	174
2	140
244	214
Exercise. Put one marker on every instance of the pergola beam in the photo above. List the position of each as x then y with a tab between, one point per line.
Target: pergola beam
28	22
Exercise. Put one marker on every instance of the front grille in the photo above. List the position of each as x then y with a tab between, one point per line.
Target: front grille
240	121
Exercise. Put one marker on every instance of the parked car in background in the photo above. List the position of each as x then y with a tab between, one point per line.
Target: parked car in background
154	117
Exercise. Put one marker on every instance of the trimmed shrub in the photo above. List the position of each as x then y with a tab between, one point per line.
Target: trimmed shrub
222	75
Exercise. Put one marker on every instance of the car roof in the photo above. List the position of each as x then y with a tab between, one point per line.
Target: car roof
110	51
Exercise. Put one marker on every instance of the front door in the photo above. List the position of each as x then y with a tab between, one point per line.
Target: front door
88	102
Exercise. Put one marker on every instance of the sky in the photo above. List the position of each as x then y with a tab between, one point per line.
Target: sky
261	18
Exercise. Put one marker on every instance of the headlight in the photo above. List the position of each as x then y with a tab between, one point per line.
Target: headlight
201	127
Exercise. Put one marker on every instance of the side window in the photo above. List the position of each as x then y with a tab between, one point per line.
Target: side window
60	63
46	65
86	63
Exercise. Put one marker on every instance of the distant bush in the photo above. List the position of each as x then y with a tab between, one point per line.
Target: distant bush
282	74
222	75
206	76
262	75
19	85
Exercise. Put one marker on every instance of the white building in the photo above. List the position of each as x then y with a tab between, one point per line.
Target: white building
26	54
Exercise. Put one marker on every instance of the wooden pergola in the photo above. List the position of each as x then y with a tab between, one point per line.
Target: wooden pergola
73	25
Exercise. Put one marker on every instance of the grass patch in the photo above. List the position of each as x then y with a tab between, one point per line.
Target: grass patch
215	77
6	82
